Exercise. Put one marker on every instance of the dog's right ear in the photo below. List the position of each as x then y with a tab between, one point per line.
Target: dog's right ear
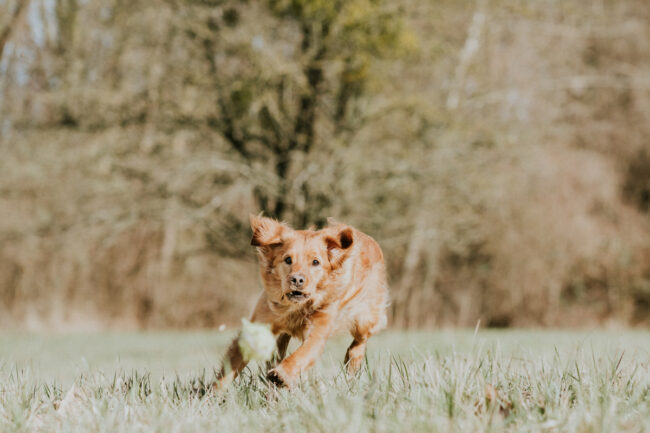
266	231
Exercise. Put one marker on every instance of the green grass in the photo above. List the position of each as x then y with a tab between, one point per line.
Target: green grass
447	381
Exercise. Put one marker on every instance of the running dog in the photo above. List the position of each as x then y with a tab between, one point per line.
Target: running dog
317	283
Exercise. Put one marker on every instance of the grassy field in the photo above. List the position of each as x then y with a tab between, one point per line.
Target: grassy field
447	381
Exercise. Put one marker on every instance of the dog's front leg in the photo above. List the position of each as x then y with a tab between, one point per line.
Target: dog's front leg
232	364
282	342
289	370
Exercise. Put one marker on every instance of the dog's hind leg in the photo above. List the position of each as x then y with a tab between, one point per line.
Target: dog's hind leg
355	354
361	331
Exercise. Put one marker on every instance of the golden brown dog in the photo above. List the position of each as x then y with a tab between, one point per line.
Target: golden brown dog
316	283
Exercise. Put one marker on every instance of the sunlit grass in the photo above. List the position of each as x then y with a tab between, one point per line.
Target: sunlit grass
419	381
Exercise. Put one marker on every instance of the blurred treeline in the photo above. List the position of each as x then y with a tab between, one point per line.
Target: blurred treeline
497	149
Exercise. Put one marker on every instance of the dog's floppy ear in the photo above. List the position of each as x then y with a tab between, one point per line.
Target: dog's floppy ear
338	245
266	231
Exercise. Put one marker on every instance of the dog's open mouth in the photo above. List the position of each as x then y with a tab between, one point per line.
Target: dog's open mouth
297	295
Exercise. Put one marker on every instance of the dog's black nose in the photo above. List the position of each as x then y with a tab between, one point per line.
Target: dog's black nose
297	280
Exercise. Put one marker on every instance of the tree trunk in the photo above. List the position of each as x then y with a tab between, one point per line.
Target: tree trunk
19	13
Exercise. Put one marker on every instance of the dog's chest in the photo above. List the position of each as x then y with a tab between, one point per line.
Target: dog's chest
295	323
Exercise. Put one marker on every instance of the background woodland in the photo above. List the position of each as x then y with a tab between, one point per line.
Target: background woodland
497	149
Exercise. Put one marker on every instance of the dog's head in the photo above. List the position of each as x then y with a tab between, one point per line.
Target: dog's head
297	264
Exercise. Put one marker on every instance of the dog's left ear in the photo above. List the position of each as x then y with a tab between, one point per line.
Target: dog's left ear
338	246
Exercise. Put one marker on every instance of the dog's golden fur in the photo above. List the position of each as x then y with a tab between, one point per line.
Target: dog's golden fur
316	284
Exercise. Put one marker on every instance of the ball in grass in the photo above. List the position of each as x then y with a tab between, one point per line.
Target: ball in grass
256	341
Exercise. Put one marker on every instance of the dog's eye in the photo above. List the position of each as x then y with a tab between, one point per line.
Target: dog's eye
315	262
287	260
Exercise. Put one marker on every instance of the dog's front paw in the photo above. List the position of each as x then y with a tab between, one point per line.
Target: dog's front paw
278	377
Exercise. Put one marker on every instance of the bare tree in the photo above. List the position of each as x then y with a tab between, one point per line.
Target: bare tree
271	117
